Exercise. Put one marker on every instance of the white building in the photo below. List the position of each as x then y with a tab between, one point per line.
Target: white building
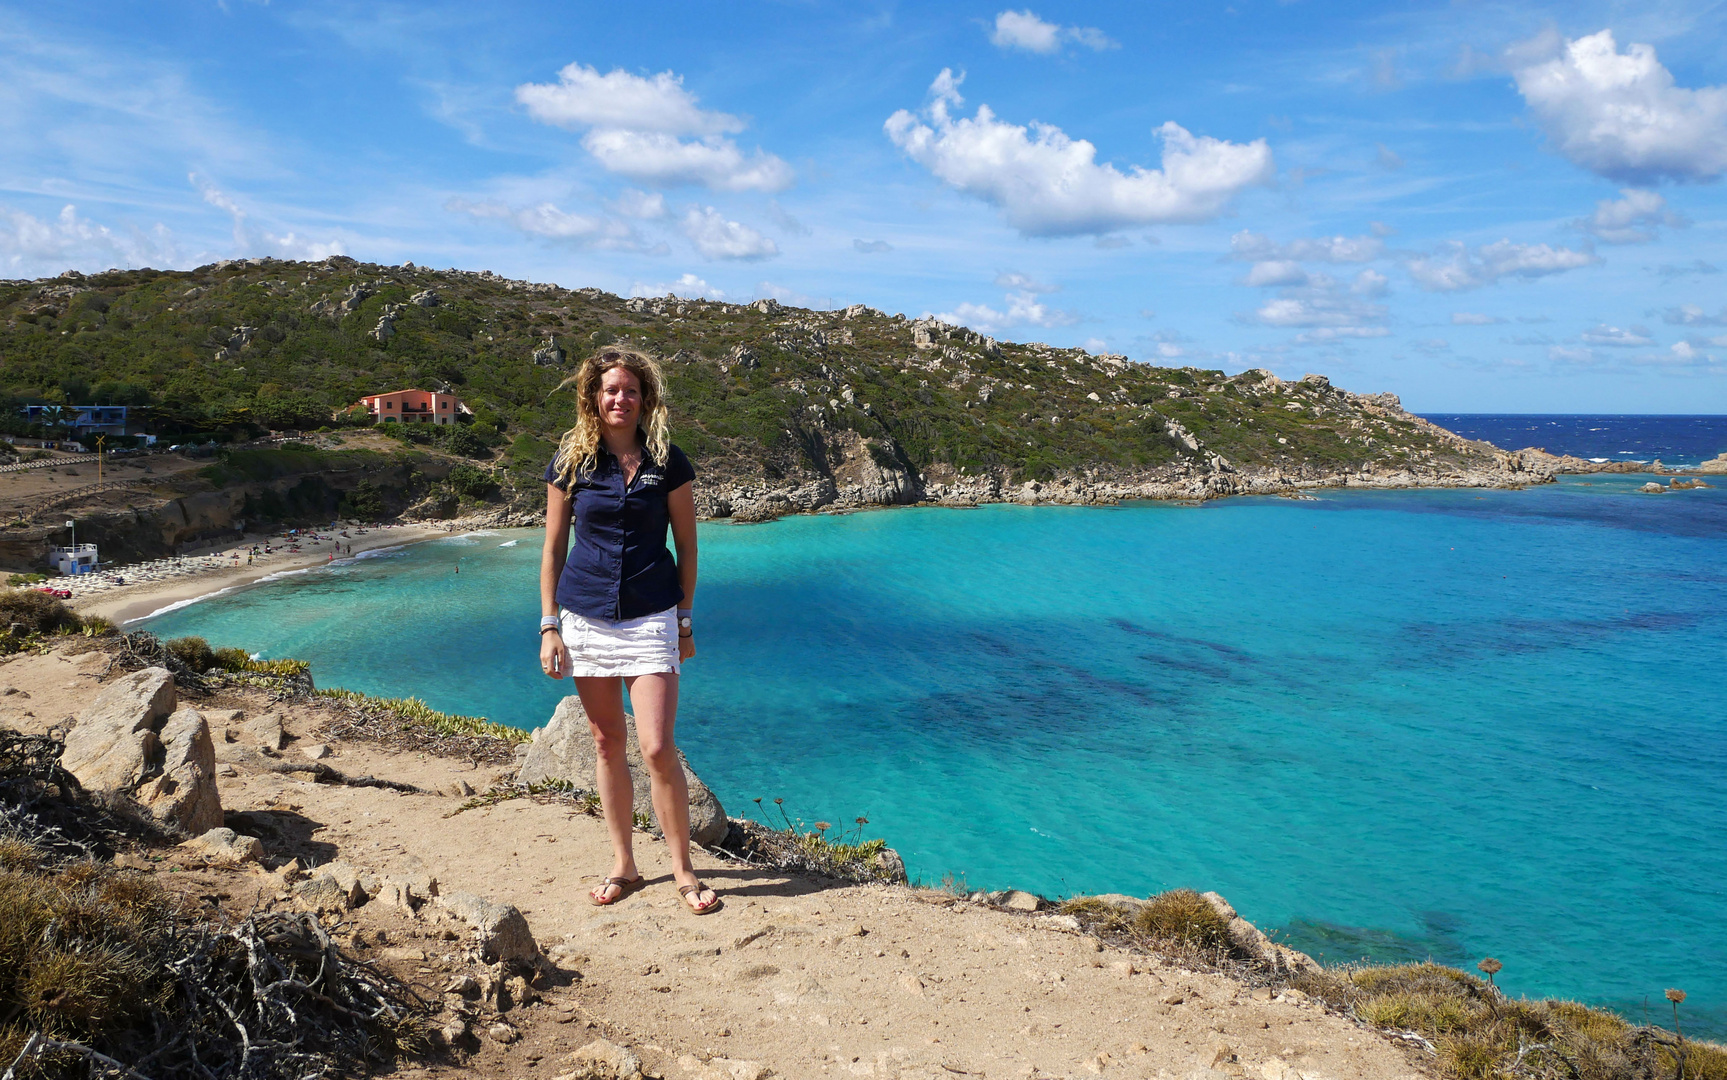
79	559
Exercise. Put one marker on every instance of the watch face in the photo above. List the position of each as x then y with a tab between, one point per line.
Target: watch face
684	623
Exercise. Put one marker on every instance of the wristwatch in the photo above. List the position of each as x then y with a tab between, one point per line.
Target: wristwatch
684	626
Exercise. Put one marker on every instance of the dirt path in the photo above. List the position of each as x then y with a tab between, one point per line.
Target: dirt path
793	978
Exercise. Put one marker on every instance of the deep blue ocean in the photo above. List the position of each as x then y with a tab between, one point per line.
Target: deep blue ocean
1673	440
1390	724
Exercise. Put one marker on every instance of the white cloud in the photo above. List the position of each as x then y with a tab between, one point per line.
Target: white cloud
1632	219
1293	312
1614	337
1370	283
1470	318
1456	267
652	130
1015	281
248	241
547	221
1258	247
1048	184
1276	272
717	238
1092	38
1619	114
1328	304
1326	334
1387	158
1023	309
1692	315
1024	30
30	245
583	98
653	157
688	286
639	204
871	247
1566	354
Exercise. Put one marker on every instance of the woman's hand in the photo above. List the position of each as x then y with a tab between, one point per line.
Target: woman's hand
554	656
686	646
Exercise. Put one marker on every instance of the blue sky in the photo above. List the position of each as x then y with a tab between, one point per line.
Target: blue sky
1479	206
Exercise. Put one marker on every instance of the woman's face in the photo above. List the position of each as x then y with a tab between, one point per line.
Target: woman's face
620	399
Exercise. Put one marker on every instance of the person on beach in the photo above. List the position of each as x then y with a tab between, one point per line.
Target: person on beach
615	602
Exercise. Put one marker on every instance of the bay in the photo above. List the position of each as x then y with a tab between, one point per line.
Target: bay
1390	724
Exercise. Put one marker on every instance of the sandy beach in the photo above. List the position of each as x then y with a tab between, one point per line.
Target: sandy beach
151	587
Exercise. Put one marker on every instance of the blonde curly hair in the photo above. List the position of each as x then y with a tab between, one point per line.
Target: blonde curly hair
579	450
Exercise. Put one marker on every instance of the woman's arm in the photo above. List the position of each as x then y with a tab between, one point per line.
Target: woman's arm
554	658
681	508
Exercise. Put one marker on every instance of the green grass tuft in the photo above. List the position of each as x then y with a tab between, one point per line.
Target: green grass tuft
1185	917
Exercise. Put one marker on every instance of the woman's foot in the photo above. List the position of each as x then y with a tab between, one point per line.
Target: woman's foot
613	889
699	898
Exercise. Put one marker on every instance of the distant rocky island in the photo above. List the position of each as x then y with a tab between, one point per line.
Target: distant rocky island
783	409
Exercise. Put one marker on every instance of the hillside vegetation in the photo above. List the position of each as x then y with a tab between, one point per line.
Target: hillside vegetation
758	392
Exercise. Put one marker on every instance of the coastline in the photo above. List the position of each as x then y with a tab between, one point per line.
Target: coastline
399	534
207	574
135	601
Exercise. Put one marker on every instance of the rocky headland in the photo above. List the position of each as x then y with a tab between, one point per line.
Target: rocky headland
783	409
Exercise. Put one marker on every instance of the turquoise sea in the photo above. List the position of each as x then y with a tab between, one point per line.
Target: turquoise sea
1392	724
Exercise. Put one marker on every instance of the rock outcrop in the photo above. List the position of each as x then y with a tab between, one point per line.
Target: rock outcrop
112	744
226	845
181	793
500	931
564	750
1714	466
549	354
1249	939
136	747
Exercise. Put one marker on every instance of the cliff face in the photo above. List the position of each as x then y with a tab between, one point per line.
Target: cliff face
216	503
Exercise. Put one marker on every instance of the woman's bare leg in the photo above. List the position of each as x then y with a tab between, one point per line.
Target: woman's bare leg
655	698
603	700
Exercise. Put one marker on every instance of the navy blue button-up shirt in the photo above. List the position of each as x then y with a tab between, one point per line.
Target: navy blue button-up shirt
619	566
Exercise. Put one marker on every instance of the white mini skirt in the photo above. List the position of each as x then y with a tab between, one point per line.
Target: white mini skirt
600	648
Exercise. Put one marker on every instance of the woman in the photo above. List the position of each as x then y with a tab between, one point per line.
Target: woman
615	612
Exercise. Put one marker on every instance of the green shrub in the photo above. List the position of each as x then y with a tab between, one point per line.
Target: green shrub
80	947
462	441
363	503
1183	916
26	611
239	661
194	652
472	482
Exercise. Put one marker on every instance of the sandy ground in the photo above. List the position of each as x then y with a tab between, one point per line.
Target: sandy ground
794	977
153	586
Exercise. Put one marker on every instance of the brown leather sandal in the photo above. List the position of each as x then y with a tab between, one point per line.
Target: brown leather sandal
689	892
625	887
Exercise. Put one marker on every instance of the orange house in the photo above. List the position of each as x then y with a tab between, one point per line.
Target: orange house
413	407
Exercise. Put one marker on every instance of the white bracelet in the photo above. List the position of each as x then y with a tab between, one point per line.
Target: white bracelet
548	620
